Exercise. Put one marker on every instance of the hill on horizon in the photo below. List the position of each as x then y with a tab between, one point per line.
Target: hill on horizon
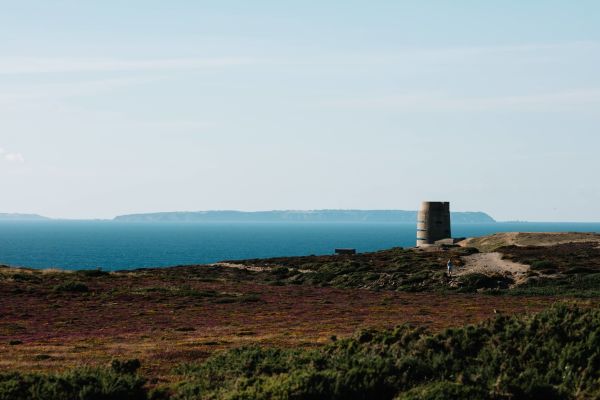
22	217
403	216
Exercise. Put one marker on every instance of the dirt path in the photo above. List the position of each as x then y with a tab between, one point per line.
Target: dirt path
241	266
492	263
253	268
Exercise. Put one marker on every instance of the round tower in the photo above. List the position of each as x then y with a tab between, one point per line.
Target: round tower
433	222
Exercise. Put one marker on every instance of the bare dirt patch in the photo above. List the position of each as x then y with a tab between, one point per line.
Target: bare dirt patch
493	264
253	268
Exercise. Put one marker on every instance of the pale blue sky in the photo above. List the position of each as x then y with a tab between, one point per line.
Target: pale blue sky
111	107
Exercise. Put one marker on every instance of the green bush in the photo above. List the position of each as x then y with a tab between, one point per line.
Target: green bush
79	384
552	355
473	282
23	277
125	366
281	272
71	286
92	273
443	391
542	265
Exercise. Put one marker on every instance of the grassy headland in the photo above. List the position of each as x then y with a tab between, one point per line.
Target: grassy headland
286	327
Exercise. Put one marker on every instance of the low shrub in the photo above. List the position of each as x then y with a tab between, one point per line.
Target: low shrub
443	391
552	355
541	265
473	282
92	273
250	298
79	384
281	272
578	270
125	366
24	277
71	286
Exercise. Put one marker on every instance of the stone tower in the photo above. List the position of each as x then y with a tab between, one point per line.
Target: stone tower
433	223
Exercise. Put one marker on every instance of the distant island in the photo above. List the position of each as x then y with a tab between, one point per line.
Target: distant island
398	216
21	217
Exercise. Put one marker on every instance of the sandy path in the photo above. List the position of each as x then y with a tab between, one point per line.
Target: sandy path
241	266
492	263
252	267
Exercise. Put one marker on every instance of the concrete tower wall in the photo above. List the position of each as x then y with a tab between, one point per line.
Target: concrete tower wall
433	222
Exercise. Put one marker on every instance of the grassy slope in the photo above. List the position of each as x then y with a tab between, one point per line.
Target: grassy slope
568	269
55	320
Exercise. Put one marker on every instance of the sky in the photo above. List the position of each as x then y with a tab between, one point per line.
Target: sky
112	107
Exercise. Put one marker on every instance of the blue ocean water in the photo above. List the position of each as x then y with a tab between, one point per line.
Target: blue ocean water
118	245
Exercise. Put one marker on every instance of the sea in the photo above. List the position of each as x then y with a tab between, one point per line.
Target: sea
112	245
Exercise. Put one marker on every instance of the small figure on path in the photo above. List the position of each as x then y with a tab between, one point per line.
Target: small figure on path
450	267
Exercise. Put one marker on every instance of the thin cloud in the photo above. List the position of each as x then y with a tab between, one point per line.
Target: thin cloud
442	102
14	158
30	93
416	57
11	157
55	65
467	51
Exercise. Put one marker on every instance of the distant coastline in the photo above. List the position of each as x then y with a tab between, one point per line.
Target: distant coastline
22	217
233	216
397	216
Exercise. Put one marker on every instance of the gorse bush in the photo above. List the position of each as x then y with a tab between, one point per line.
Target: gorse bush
92	273
79	384
473	282
553	355
126	366
71	286
542	265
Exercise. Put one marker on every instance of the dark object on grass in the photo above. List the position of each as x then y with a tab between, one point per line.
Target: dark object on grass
472	282
92	273
71	286
345	251
125	366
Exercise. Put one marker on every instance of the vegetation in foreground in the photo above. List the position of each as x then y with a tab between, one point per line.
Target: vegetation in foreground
55	320
552	355
52	320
